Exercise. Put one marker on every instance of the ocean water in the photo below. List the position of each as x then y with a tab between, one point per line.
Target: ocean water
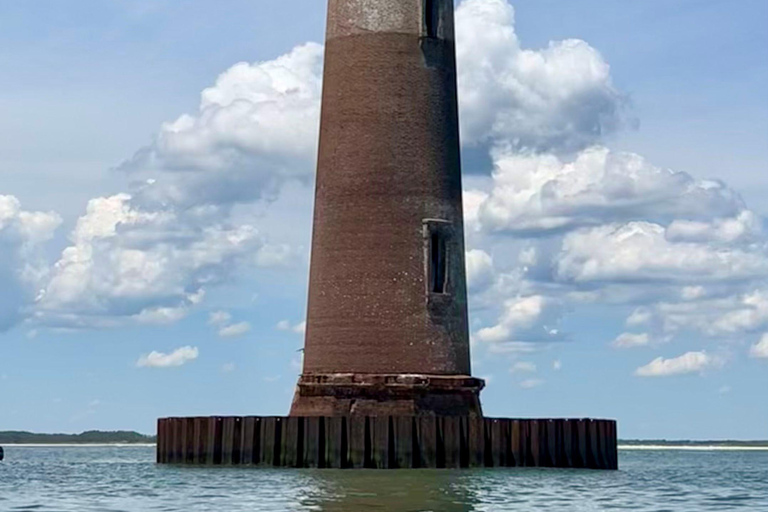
83	479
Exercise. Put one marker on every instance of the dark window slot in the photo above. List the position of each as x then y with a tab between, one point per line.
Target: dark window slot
431	17
437	249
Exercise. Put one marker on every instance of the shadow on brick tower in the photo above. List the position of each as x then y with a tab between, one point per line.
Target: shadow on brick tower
387	330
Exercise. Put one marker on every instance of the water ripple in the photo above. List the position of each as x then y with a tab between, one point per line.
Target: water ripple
125	479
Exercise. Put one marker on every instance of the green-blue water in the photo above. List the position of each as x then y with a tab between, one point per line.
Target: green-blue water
126	479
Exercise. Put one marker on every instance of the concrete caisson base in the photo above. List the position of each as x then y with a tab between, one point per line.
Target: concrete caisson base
388	442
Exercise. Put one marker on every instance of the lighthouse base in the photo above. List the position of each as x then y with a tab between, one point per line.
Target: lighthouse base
387	395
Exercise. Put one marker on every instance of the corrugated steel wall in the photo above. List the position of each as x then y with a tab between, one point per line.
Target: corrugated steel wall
388	442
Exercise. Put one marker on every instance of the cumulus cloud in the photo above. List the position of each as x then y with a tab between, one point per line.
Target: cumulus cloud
639	316
690	362
149	255
760	349
519	321
540	194
178	357
629	340
285	325
255	128
300	328
222	321
219	318
480	271
28	227
720	316
234	330
22	266
746	226
640	251
559	98
161	315
125	262
607	226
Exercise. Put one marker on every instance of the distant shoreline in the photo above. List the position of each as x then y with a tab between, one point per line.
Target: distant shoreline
694	448
80	445
92	437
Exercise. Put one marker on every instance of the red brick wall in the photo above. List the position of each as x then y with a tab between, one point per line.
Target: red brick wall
388	161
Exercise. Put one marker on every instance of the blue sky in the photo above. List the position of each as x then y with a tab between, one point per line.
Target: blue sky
615	157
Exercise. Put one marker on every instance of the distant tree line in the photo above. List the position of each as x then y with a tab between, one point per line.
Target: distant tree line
90	437
665	442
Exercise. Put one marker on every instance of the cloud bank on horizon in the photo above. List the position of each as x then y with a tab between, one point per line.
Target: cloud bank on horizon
559	221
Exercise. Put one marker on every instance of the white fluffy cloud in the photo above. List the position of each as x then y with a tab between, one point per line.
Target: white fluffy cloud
22	267
629	340
234	330
222	321
480	271
690	362
540	194
161	315
178	357
219	318
125	262
760	349
745	226
285	325
718	317
300	328
149	255
27	227
641	251
559	98
639	316
256	127
603	226
523	319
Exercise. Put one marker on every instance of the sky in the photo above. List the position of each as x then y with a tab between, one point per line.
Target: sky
156	178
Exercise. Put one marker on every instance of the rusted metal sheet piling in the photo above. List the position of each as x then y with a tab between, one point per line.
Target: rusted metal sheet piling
388	442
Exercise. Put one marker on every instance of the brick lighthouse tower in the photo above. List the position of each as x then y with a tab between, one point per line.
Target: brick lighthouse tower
387	330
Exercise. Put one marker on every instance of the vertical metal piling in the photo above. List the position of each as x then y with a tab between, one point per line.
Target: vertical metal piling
386	442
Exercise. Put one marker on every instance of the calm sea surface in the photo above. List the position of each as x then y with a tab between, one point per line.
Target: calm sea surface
126	479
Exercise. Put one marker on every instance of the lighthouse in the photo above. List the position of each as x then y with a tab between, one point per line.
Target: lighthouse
386	379
387	330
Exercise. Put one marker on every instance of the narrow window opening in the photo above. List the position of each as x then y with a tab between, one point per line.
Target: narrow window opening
437	249
431	17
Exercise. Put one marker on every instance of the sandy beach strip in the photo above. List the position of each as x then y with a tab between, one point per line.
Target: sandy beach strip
694	448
